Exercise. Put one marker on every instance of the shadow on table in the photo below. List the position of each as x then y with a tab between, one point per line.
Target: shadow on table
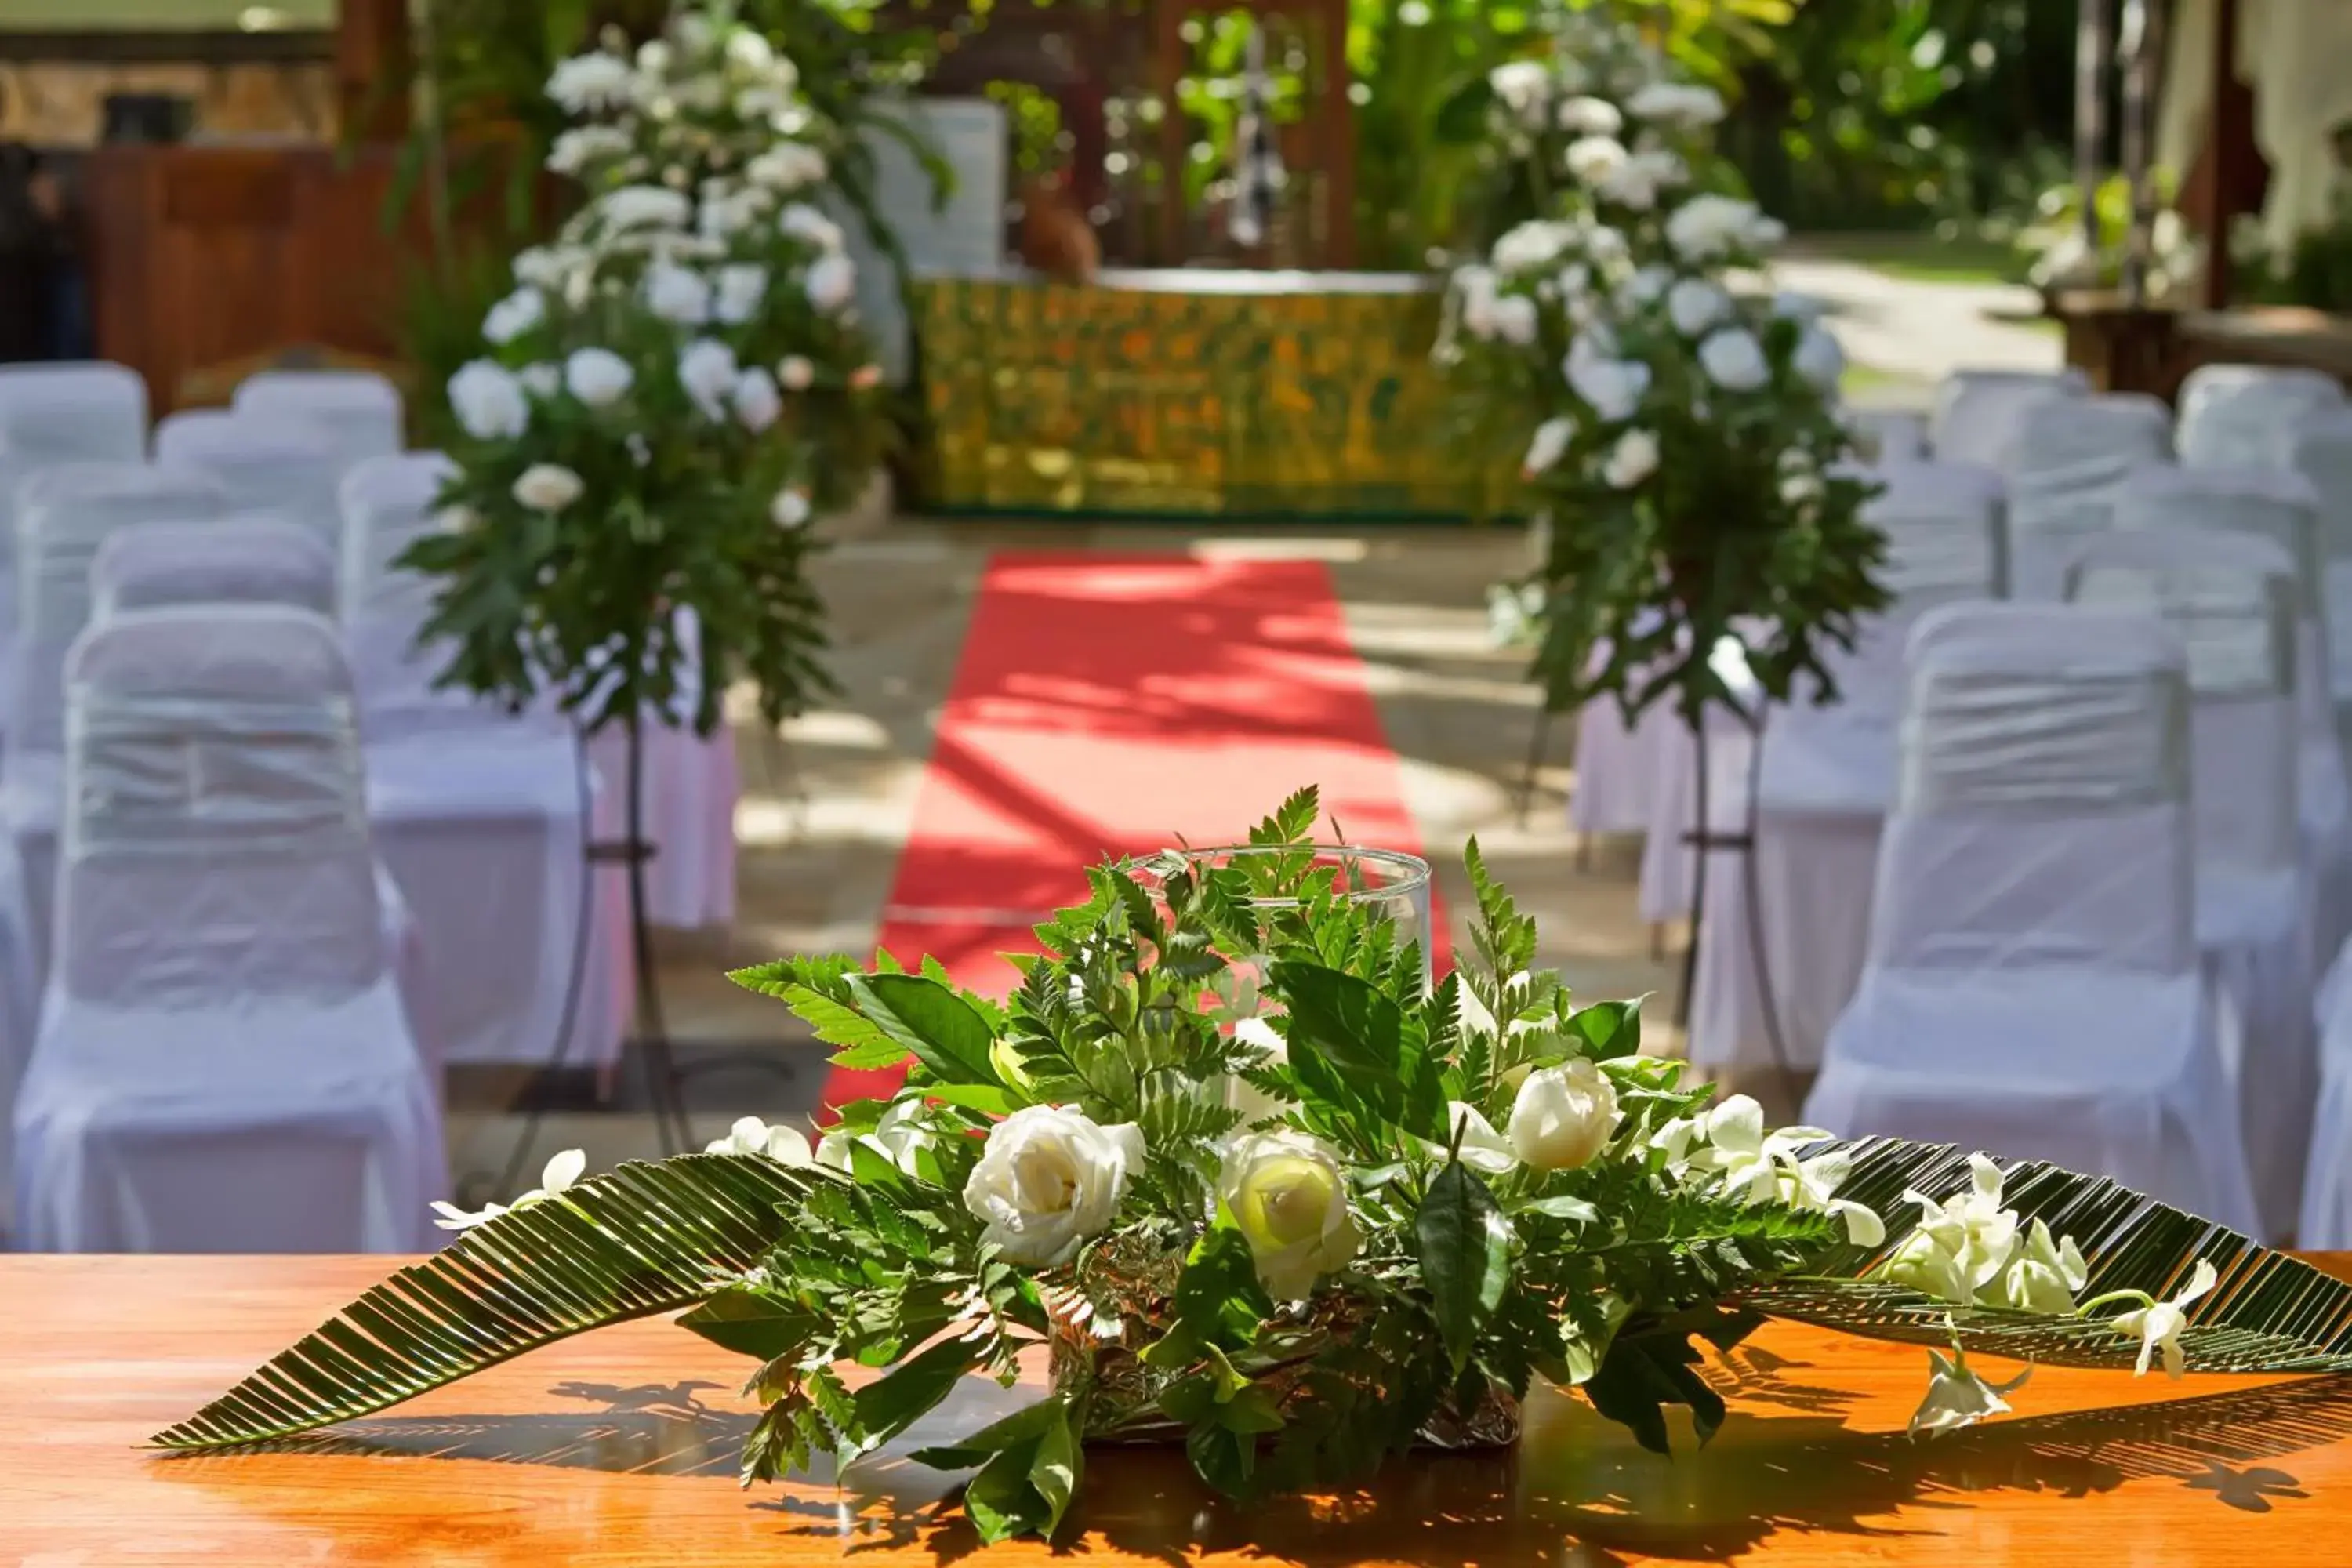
1784	1462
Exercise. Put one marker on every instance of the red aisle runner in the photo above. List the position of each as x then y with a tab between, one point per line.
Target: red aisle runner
1105	705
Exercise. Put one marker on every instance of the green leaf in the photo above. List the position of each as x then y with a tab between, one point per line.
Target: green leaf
1224	1459
756	1323
1025	1425
1362	1032
1054	1474
1250	1411
1608	1030
1218	1297
638	1240
946	1034
1001	1500
1575	1209
1292	821
1463	1244
895	1401
986	1098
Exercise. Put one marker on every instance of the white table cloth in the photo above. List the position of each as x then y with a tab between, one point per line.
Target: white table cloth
224	1064
2033	986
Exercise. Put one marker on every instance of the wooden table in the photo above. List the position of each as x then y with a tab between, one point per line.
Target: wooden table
619	1448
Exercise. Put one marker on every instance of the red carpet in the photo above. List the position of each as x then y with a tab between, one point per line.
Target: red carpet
1106	704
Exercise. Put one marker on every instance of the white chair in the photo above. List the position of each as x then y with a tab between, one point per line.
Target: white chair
78	411
1888	435
2280	505
224	1064
1824	786
2230	598
288	466
228	561
1979	414
2321	450
2033	987
63	516
360	408
478	812
2246	416
2065	469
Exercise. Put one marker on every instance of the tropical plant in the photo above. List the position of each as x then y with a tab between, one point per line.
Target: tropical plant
1689	472
671	391
1366	1214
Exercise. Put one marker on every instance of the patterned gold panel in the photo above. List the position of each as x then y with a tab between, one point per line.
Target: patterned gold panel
1193	394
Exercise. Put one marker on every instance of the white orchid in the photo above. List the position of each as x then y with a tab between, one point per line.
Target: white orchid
1963	1244
2046	1272
1811	1184
1640	179
645	206
1594	159
2160	1324
1524	88
1548	446
899	1136
513	316
1482	1147
1711	227
1677	103
592	81
558	1173
577	147
1957	1397
1589	116
750	1135
1532	247
786	166
1740	1151
804	222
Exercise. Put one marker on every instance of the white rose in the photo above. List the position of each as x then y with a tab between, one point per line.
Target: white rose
749	52
548	487
790	509
750	1135
804	222
584	144
1048	1180
489	402
1819	359
1531	246
1607	246
1564	1116
1515	319
757	401
832	281
1633	458
547	265
786	166
1287	1194
1637	182
1800	489
1677	103
678	294
1254	1103
706	368
598	377
1590	117
1612	387
1695	305
797	372
541	381
645	206
1649	285
653	58
1594	159
1523	87
592	81
1709	227
1733	360
1551	444
742	289
513	316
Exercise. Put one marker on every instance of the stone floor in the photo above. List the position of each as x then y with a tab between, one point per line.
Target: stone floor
827	803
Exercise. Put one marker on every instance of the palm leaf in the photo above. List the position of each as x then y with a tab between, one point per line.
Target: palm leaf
639	1239
2268	1312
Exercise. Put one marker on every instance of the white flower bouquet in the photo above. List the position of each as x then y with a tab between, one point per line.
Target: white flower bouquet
1689	462
1365	1217
677	385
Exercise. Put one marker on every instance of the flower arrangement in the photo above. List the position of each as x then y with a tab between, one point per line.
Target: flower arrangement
1690	470
674	389
1366	1214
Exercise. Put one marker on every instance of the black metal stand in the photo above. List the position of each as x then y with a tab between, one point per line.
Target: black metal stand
1703	840
663	1086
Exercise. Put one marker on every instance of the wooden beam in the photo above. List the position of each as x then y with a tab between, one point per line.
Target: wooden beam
2222	160
2094	48
373	69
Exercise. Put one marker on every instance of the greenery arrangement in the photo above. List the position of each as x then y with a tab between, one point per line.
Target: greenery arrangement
673	389
1691	480
1367	1214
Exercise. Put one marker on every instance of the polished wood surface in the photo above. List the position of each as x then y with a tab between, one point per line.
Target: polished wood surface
619	1448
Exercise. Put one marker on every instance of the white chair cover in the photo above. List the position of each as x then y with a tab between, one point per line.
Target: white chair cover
1888	435
2280	505
283	464
2246	416
360	408
2321	450
63	515
2033	986
476	812
73	412
2230	599
232	561
1979	414
2065	470
1824	786
223	1063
